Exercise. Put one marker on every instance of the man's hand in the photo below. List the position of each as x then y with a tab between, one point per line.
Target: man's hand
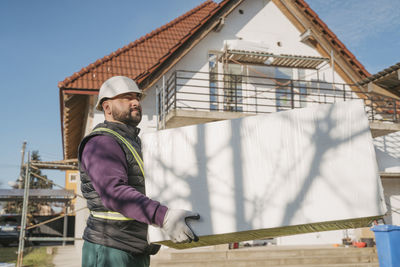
176	228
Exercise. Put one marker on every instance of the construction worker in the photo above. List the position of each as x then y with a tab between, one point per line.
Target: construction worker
112	177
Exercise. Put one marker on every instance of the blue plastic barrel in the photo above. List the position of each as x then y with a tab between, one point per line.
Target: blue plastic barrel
387	238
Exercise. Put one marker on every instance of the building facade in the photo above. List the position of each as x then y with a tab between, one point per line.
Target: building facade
234	59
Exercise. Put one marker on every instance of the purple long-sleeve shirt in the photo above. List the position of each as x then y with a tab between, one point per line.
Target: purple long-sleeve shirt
105	163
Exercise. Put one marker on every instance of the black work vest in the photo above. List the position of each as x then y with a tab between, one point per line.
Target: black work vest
125	235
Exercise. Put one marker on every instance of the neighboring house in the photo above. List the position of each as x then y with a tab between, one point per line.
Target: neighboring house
387	147
227	60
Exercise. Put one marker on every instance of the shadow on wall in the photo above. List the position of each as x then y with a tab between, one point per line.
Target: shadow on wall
323	141
387	150
256	172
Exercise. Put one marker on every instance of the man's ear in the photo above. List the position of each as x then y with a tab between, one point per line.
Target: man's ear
107	107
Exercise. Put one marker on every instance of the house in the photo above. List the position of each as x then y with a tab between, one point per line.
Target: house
387	146
231	59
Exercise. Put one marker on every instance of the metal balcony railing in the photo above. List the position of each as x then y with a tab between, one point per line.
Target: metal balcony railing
222	92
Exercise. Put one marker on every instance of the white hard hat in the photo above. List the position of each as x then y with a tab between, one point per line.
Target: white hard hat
115	86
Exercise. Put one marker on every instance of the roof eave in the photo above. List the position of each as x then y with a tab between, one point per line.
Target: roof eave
65	125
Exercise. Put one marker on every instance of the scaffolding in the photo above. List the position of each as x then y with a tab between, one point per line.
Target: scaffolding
49	195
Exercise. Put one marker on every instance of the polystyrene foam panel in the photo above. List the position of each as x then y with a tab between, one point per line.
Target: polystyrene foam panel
297	171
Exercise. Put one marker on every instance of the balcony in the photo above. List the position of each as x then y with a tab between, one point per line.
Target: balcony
188	98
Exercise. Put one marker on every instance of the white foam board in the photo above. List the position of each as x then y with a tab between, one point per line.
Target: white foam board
289	172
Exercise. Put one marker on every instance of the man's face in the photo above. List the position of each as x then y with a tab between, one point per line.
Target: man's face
126	108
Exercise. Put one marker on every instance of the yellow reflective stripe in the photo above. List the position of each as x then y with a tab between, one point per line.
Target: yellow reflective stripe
130	147
110	215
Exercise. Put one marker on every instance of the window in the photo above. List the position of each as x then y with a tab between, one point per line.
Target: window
283	88
302	87
73	177
233	99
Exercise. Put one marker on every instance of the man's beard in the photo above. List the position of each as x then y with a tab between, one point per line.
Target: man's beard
126	116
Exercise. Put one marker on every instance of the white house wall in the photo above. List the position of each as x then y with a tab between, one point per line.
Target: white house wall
388	152
387	149
391	190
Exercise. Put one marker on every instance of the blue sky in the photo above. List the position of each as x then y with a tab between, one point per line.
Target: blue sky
42	42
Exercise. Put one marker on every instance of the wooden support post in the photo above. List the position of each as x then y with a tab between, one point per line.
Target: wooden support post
65	229
23	215
22	165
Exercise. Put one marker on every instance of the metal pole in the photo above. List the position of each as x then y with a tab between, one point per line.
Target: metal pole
372	108
333	67
255	98
22	165
291	94
236	92
23	215
158	107
163	112
176	85
65	229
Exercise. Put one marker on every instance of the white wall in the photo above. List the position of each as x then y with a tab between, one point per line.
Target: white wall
98	117
80	221
387	150
391	189
317	238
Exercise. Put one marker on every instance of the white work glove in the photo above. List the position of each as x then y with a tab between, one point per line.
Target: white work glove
176	228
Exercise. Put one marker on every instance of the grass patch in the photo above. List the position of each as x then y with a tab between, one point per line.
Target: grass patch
33	256
8	254
38	257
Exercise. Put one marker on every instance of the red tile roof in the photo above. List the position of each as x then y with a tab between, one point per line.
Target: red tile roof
351	59
139	58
